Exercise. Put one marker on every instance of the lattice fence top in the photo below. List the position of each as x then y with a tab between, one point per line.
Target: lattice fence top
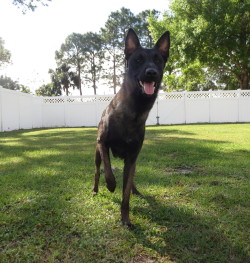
171	96
81	99
231	94
204	95
224	94
53	100
245	94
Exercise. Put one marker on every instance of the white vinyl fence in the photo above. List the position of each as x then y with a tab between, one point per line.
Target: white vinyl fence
25	111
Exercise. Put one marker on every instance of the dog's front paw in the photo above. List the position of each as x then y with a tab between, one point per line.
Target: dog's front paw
127	224
111	185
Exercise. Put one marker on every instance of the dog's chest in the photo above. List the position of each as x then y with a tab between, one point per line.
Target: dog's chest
126	131
125	127
125	137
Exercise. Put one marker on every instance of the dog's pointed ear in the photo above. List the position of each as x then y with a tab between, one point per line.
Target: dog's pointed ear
131	43
163	45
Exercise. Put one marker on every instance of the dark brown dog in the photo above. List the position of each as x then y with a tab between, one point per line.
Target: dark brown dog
122	126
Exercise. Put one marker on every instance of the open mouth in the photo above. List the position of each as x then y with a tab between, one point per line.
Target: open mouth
148	87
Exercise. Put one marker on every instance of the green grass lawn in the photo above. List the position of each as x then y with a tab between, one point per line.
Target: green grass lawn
195	182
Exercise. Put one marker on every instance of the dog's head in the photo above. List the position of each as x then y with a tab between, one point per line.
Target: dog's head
145	66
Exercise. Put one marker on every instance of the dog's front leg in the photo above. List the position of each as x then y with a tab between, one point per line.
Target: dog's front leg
110	179
98	161
128	175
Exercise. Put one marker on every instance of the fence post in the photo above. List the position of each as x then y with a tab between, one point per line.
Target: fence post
1	110
96	109
185	105
210	97
157	111
19	109
65	104
238	104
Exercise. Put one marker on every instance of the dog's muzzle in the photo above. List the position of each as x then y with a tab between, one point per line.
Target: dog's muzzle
149	84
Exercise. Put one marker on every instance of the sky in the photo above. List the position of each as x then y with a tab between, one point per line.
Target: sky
33	38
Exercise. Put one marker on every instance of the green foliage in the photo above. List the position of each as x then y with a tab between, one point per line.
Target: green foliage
195	209
215	33
49	90
4	54
25	89
142	27
26	5
117	25
190	78
8	83
62	79
176	60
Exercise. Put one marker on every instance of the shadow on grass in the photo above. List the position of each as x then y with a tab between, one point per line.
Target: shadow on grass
177	233
47	205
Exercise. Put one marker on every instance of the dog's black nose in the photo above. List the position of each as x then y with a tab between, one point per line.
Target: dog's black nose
151	72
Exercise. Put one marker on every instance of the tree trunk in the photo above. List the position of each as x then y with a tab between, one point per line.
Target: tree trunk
94	86
244	80
94	74
114	76
79	78
244	46
67	90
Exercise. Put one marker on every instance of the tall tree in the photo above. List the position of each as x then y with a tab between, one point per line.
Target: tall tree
142	27
62	79
4	54
56	84
217	33
113	35
93	56
114	59
71	53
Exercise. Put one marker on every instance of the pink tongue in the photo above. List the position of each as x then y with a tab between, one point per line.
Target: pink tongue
149	87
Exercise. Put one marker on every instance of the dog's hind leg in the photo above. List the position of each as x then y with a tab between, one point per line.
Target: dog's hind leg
110	179
98	161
